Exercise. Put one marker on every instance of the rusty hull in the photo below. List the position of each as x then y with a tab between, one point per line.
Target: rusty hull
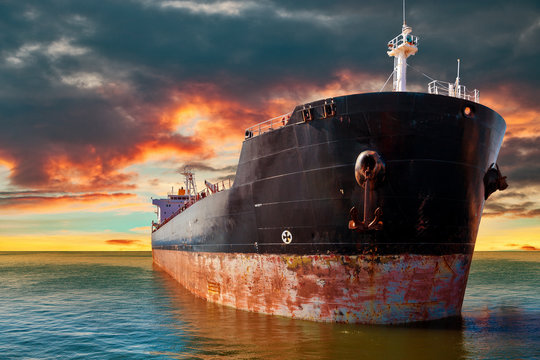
371	289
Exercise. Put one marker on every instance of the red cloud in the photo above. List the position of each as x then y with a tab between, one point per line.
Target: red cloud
122	242
524	247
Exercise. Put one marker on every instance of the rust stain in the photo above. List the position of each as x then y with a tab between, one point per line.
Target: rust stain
448	265
294	262
214	287
360	288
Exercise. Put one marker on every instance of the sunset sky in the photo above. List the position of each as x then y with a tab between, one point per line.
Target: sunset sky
101	102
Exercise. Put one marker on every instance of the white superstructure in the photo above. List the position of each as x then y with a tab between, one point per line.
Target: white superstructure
169	206
401	47
405	45
174	204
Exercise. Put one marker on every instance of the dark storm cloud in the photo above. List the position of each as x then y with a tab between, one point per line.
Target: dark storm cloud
257	43
495	208
511	194
205	167
84	84
519	160
201	166
228	177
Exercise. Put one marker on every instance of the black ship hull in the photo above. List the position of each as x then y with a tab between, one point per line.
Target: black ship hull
300	178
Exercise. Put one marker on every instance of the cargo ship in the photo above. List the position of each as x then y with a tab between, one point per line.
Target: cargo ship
360	209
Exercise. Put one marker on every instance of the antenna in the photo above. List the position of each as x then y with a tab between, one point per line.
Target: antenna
191	189
457	78
403	12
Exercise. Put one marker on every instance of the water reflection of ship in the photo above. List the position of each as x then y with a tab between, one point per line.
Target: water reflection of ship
206	330
360	208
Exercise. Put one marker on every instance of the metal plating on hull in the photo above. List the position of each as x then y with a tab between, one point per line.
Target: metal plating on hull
362	208
374	289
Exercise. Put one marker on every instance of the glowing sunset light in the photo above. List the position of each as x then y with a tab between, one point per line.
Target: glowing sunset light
45	203
500	234
7	164
95	125
523	120
74	242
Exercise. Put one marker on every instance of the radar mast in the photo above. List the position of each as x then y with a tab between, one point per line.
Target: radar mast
191	189
401	47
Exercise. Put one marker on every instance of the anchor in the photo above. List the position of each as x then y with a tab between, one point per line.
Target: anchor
493	180
369	172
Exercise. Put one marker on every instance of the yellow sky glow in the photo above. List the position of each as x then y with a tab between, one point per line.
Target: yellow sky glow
76	242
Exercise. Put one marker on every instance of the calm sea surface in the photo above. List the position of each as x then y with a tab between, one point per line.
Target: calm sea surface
118	306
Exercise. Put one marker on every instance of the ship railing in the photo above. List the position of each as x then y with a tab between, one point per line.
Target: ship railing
215	187
450	89
402	39
218	186
268	125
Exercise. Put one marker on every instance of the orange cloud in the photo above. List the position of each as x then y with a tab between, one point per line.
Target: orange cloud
141	229
6	163
169	144
522	117
345	82
87	175
198	122
96	164
216	117
523	247
44	202
122	242
525	209
95	173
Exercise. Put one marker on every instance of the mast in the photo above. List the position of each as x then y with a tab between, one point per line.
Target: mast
457	78
456	85
191	189
401	47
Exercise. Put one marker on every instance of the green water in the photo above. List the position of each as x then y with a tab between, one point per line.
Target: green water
118	306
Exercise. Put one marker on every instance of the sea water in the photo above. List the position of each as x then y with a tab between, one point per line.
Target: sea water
118	305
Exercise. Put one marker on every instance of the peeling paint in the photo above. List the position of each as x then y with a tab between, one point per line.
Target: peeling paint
354	289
